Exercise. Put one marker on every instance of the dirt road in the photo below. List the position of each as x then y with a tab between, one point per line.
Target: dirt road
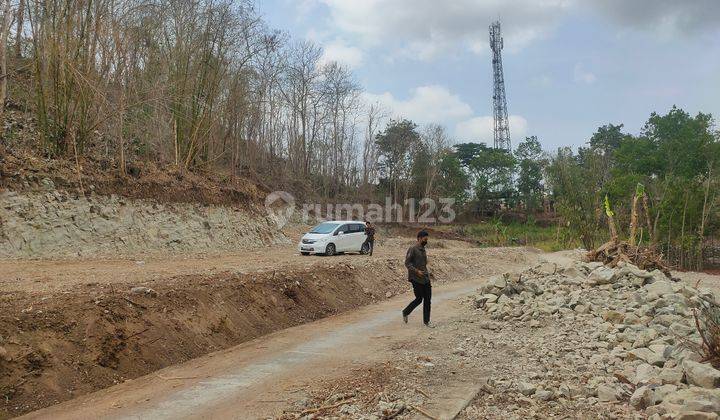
43	276
260	378
69	328
363	363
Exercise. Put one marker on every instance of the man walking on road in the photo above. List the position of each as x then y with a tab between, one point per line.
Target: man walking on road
370	240
416	263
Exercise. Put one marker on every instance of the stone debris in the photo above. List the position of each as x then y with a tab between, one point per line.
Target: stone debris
623	331
575	341
142	290
4	354
701	374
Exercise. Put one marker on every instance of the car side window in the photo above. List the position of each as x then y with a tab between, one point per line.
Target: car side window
359	228
343	229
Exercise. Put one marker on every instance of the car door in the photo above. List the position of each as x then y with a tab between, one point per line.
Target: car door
342	238
358	236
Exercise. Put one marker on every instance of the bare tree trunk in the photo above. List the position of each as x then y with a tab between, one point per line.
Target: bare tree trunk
647	219
121	136
704	216
633	220
613	229
4	33
19	30
682	231
669	233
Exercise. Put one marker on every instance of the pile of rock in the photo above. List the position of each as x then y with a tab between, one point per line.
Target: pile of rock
633	328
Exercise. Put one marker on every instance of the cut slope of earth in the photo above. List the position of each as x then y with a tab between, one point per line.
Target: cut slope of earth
58	208
23	171
58	343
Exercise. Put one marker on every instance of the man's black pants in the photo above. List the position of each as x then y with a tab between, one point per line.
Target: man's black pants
423	294
371	244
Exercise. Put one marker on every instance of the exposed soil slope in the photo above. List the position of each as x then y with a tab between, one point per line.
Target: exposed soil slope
91	331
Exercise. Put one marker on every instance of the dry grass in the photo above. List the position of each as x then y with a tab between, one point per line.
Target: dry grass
707	322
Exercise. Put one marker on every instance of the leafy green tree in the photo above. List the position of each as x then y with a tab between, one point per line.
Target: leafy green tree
575	195
421	161
531	161
676	157
607	139
494	171
452	180
603	144
466	152
491	170
683	142
396	147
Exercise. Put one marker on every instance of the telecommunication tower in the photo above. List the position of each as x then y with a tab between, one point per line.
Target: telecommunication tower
500	113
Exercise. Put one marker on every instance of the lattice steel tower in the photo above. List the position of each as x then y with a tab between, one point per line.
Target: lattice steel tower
502	130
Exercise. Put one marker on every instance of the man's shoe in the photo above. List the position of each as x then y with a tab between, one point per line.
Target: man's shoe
405	319
429	325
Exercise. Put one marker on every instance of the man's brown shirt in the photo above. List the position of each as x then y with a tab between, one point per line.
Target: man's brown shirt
416	259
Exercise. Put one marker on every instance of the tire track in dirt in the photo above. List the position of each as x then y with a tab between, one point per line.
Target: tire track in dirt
248	378
91	335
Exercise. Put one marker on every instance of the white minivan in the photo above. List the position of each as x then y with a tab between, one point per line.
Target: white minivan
330	238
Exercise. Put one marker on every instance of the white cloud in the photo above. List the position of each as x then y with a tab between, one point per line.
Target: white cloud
426	28
667	17
580	75
316	35
339	51
303	8
436	104
426	104
480	129
542	81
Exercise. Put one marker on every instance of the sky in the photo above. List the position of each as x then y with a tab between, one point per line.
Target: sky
570	66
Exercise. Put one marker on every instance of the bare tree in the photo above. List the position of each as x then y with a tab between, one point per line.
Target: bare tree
374	117
436	142
19	28
4	34
198	83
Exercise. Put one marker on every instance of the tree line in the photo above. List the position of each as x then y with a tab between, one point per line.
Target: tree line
672	166
200	84
208	85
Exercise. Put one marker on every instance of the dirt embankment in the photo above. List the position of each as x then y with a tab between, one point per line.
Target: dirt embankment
23	170
56	345
61	208
57	224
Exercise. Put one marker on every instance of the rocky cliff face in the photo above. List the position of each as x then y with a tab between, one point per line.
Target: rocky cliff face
55	224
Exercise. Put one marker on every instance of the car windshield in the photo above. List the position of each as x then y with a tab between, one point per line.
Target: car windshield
324	228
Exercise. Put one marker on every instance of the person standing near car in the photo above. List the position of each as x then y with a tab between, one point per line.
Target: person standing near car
370	240
419	277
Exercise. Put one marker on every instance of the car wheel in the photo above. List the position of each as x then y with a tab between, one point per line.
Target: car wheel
305	253
364	249
330	250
